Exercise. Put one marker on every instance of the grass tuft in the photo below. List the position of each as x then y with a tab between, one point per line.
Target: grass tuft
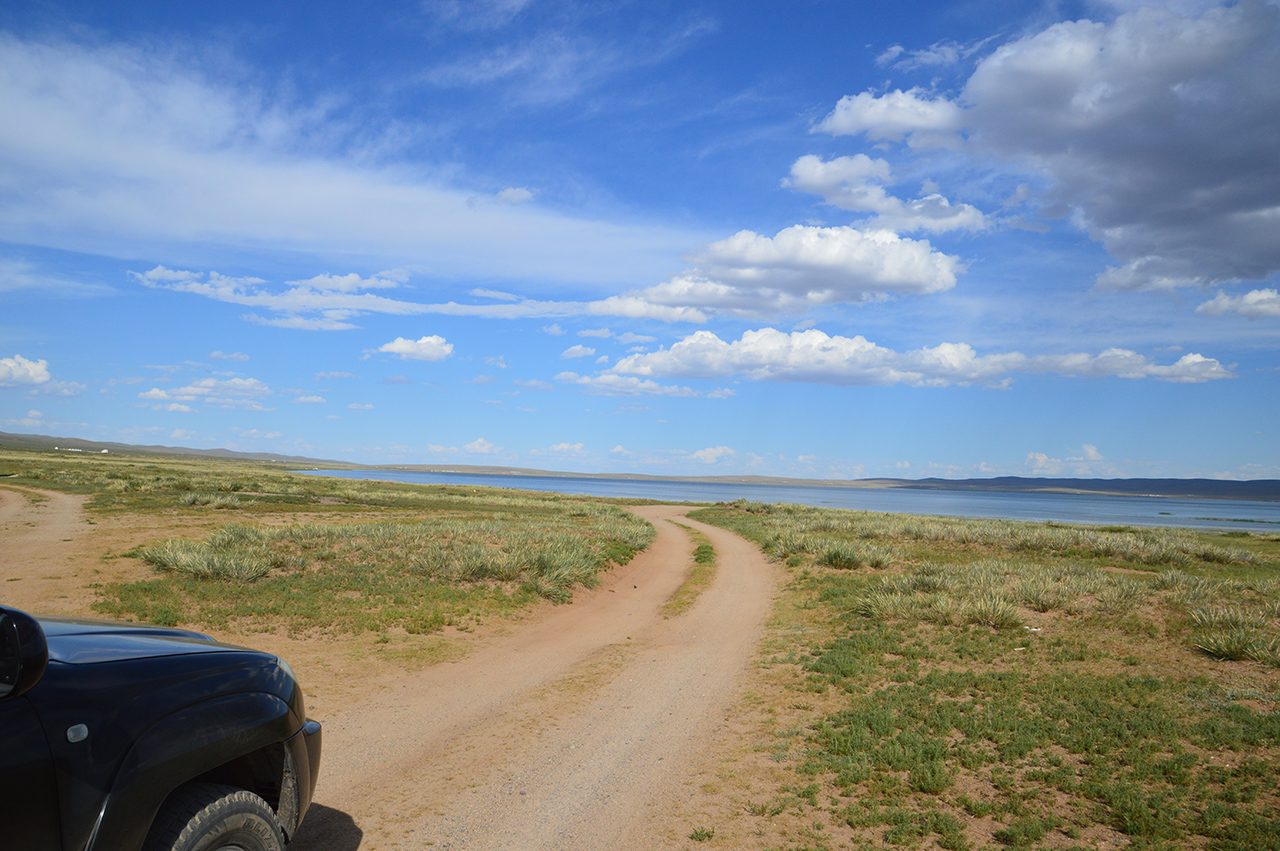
995	610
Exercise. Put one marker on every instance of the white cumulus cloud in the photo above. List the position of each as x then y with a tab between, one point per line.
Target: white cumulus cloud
895	116
712	454
574	449
1156	130
813	356
1089	462
433	348
1255	304
810	262
802	267
17	371
856	184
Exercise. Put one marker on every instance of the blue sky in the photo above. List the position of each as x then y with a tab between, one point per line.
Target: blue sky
818	239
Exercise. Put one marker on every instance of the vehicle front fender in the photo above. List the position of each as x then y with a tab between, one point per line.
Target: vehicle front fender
180	748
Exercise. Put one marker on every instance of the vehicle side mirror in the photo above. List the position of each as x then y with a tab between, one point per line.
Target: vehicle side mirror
23	653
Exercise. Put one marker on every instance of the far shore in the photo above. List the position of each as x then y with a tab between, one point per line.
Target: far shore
1262	490
1259	490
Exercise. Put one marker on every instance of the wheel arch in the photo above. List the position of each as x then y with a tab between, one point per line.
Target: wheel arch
237	740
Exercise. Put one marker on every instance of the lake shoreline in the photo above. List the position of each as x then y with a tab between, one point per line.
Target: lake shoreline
1257	490
1254	490
1098	509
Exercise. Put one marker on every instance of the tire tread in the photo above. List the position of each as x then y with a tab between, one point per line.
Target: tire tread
192	808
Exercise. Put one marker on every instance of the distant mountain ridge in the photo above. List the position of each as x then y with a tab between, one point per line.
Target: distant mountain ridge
1264	490
40	441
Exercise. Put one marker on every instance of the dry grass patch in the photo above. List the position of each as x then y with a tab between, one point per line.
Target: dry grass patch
1026	698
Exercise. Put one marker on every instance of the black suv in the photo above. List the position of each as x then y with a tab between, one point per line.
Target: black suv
123	737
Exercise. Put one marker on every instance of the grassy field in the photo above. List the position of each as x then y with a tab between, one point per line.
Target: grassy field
332	556
928	682
963	685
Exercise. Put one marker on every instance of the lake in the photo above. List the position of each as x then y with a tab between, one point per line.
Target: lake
1057	507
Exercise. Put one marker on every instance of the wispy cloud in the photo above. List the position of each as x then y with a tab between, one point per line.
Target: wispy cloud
320	304
553	62
164	156
16	275
940	54
614	384
242	393
474	15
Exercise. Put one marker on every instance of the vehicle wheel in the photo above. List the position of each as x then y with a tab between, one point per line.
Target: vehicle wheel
208	817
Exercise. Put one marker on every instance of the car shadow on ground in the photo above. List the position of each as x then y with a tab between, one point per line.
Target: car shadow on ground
327	829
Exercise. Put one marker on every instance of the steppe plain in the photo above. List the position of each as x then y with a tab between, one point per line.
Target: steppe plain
504	669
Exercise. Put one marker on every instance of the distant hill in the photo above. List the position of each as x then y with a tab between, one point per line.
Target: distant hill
1265	490
1256	489
43	442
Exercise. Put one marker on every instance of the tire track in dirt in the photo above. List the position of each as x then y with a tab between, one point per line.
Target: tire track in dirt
41	535
580	731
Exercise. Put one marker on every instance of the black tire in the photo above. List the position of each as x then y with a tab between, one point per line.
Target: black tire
208	817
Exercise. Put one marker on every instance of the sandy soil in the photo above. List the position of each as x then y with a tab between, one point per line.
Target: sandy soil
584	726
52	555
44	541
577	731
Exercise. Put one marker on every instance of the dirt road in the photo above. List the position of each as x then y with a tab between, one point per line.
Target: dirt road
52	554
42	534
583	727
581	731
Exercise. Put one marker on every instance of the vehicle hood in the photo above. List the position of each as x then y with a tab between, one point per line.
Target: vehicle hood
78	641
